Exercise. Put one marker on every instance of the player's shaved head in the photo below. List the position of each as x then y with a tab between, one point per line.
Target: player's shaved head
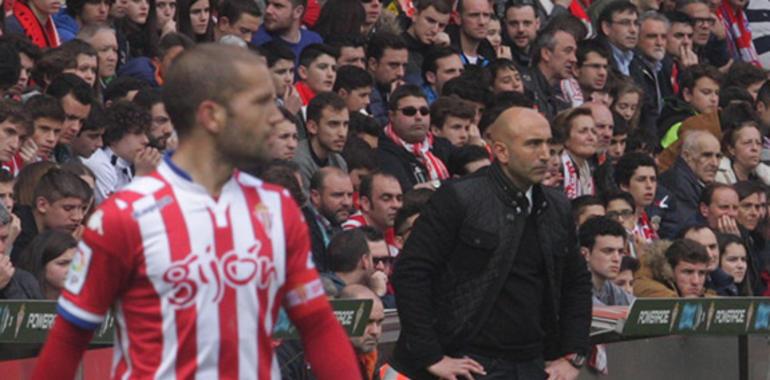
200	74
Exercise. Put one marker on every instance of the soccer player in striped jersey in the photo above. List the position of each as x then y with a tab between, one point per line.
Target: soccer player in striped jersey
196	259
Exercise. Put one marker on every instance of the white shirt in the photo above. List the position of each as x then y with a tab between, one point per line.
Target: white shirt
112	173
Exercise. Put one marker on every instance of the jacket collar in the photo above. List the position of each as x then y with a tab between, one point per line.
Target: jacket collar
514	196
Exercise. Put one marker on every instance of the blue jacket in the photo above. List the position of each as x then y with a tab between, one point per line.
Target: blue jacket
66	25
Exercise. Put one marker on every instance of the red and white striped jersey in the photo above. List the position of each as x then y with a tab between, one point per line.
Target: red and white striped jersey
195	283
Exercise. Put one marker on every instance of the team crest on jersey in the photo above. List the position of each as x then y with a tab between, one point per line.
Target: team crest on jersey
78	271
234	269
264	215
95	222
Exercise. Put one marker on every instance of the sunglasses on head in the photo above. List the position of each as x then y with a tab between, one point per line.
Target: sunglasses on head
411	111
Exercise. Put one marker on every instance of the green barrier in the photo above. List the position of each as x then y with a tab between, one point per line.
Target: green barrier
698	316
30	321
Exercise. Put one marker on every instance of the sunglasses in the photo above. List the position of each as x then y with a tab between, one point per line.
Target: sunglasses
411	111
386	260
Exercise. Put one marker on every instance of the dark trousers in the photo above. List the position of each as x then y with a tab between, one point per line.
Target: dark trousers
509	370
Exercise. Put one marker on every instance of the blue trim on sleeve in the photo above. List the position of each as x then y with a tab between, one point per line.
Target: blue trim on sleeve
71	318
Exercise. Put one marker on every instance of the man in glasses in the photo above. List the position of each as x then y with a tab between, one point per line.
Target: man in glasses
619	29
406	149
592	69
709	36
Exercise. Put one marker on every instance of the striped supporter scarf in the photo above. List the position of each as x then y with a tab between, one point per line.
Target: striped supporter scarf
739	42
436	168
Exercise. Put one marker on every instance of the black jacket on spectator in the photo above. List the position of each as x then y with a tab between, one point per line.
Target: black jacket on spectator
675	110
486	52
685	187
23	286
394	159
460	255
317	243
414	64
645	77
664	210
714	53
548	99
28	231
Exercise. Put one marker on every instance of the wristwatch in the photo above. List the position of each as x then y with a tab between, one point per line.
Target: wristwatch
576	360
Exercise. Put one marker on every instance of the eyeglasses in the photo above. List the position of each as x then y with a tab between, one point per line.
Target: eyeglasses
385	260
621	214
627	22
411	111
704	20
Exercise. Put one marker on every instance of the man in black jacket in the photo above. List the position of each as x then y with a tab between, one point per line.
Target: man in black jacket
490	282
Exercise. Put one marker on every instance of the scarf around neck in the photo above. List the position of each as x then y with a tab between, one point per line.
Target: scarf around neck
422	150
42	36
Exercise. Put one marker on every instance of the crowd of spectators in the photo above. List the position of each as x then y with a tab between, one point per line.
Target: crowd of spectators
659	115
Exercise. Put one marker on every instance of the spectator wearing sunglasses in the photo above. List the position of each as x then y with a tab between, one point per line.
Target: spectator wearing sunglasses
351	261
406	149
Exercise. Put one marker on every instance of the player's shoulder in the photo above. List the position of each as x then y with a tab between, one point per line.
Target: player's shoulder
250	181
125	200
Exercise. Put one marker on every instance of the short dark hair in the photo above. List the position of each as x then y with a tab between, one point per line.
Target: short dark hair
359	155
233	9
174	39
431	57
464	156
57	184
688	251
77	47
283	173
372	234
591	46
446	106
95	121
342	41
467	88
627	165
23	45
629	263
311	52
351	78
692	74
6	177
75	7
147	98
748	188
678	17
121	86
708	192
599	226
734	94
322	101
346	249
441	6
520	4
360	123
319	177
67	84
124	118
275	51
14	112
40	106
381	41
622	195
743	74
498	65
613	8
52	63
583	201
365	189
404	91
402	215
726	239
10	64
764	94
44	248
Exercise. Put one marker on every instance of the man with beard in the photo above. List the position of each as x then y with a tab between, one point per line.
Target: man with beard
470	38
406	149
76	98
161	129
647	68
331	203
521	26
327	127
283	19
194	219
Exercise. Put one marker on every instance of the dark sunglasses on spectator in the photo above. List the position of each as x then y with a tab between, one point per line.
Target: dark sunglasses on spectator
386	260
411	111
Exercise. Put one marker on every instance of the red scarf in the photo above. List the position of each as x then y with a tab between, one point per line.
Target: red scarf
573	187
42	36
645	229
436	168
739	42
305	93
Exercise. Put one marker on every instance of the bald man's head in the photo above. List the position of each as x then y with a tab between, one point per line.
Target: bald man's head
520	139
367	342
